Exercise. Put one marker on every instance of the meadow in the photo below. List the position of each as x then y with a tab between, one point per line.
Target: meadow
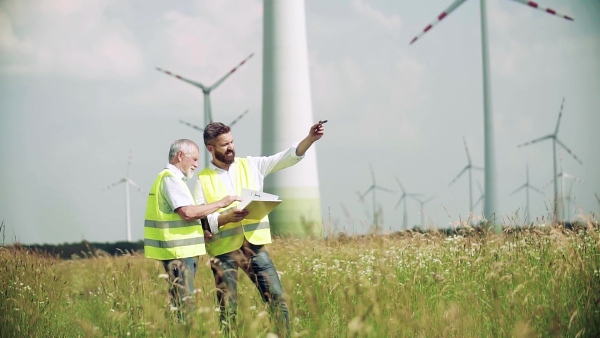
541	281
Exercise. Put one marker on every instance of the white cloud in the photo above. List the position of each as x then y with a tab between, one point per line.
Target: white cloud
67	37
391	22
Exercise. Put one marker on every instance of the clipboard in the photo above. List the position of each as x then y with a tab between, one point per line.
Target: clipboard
259	209
258	203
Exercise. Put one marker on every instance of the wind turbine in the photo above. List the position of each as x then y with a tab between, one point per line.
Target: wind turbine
372	190
206	90
202	129
488	129
527	186
469	168
404	197
127	182
421	207
562	175
555	141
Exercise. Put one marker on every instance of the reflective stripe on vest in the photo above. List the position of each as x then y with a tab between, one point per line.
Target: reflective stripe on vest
166	235
238	230
231	236
173	243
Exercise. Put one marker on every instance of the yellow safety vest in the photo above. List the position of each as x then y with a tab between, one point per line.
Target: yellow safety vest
231	235
166	235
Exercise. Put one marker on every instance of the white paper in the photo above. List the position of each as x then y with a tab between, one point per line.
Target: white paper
249	195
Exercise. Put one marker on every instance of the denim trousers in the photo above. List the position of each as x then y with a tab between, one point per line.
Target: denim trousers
255	261
181	273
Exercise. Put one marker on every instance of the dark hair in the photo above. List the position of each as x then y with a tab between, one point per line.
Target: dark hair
214	130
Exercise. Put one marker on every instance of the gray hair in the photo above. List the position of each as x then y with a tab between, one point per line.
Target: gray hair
184	145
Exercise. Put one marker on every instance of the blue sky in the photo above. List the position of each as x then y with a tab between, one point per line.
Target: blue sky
80	91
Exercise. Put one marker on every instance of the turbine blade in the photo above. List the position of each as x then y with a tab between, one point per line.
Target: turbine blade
467	150
559	117
399	201
547	10
459	174
366	192
137	186
382	188
535	141
568	150
400	184
478	168
191	125
115	184
238	118
372	173
440	17
129	163
535	189
194	83
230	72
519	188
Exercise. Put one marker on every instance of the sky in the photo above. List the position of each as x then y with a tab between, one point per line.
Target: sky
80	92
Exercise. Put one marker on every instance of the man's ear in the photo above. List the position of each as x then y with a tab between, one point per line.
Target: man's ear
209	147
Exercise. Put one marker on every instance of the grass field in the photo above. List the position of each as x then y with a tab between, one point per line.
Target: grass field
535	282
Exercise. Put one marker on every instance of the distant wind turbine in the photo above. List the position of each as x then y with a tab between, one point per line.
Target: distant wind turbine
202	129
562	175
468	168
422	208
527	186
555	141
127	182
403	197
206	90
489	208
372	190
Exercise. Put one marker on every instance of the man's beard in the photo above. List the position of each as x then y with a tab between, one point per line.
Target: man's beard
228	157
189	173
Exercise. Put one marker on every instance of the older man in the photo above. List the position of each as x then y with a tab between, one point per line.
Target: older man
172	230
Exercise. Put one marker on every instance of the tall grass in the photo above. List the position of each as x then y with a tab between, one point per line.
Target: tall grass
535	282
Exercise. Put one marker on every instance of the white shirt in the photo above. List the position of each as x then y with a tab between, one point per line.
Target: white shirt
174	192
260	167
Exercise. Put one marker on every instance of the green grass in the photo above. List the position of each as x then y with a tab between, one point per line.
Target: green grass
536	282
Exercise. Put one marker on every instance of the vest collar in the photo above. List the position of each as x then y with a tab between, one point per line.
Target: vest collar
176	172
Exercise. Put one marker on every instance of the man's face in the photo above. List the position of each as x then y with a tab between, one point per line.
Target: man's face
189	162
223	149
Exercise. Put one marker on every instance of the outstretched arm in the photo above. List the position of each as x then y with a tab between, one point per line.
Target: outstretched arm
315	133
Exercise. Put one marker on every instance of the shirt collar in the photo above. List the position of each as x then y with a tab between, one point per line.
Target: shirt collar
176	171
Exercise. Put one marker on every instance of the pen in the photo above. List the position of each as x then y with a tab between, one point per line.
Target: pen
321	122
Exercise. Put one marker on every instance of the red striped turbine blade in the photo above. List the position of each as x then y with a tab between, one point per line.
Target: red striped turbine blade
547	10
440	17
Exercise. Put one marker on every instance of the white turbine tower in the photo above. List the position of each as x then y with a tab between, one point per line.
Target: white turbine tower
127	182
527	186
202	129
206	90
372	190
489	208
555	141
287	116
468	168
404	196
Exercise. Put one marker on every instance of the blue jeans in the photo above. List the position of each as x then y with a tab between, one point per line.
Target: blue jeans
181	273
256	263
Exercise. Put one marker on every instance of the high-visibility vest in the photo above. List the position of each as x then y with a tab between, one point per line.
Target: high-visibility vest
231	236
166	235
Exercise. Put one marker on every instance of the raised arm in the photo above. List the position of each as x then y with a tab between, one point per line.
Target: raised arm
315	133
